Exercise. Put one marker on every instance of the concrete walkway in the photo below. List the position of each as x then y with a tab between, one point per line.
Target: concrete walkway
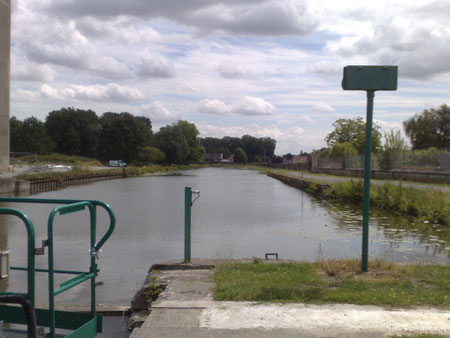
186	309
333	179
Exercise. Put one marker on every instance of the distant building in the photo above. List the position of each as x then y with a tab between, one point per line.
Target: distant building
213	157
228	160
300	159
287	160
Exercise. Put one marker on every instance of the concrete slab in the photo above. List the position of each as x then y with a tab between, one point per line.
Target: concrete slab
185	285
186	309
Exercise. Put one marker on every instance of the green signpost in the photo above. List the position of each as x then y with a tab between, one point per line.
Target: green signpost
370	79
188	192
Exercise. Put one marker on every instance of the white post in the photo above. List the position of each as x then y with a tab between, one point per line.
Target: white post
5	41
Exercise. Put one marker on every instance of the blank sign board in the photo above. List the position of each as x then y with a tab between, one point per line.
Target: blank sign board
370	78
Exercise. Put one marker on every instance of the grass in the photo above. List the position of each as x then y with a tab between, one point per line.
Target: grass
335	281
56	158
429	205
82	170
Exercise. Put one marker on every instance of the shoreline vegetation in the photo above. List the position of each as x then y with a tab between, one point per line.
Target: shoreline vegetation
429	206
334	281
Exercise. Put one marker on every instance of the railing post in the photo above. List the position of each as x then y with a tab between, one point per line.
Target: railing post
187	223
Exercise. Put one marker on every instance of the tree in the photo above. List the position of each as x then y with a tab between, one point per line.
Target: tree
253	147
277	159
190	132
150	155
171	140
240	156
74	131
123	135
343	149
394	141
30	135
15	135
353	131
431	128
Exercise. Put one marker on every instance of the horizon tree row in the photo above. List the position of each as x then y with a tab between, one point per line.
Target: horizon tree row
255	149
124	136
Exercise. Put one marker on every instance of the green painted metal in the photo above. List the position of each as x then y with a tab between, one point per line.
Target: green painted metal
30	251
187	223
64	319
63	210
88	330
69	201
74	282
85	325
67	272
366	197
370	78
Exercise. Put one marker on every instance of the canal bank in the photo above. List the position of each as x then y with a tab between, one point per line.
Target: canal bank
241	213
186	308
427	203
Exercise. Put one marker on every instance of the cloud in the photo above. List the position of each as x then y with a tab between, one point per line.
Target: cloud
230	71
32	72
23	95
158	113
112	92
417	44
247	106
323	108
325	68
154	67
250	17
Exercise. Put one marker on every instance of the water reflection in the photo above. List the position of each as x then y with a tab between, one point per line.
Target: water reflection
240	213
392	232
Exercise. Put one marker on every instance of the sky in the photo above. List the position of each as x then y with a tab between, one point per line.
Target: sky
266	68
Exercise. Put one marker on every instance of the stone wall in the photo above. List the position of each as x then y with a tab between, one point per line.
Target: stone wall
5	40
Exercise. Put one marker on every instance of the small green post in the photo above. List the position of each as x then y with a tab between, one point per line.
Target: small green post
366	197
187	223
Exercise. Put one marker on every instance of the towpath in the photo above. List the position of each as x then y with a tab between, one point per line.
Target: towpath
321	178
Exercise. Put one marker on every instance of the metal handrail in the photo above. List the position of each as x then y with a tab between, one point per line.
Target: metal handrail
90	323
105	206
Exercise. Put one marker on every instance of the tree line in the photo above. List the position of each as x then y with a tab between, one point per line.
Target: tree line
127	137
429	129
122	136
246	148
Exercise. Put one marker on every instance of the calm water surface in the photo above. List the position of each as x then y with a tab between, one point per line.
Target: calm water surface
240	213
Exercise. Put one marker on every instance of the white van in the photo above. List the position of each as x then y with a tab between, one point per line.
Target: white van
116	163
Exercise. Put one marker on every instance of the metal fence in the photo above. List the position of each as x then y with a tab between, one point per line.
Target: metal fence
431	159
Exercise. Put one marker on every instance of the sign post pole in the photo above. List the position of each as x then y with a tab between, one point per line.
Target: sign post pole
366	197
370	79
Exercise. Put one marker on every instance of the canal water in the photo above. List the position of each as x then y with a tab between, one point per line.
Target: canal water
240	213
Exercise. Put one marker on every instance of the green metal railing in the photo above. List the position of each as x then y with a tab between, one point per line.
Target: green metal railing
83	324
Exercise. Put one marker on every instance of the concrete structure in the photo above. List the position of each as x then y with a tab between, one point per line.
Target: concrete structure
186	309
5	41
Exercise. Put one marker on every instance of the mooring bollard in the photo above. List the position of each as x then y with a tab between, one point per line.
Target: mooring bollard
188	192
